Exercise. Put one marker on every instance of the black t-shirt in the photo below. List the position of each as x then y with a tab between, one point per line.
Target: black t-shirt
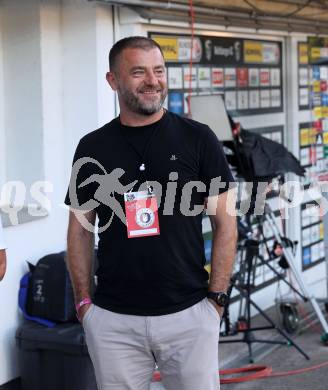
160	274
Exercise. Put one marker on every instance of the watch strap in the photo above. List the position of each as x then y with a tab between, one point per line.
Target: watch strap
216	296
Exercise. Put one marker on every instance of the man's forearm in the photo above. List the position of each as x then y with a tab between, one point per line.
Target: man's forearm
80	252
223	256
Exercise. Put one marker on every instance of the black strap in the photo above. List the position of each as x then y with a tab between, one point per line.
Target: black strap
142	157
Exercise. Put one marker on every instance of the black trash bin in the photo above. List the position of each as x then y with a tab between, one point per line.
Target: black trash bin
54	358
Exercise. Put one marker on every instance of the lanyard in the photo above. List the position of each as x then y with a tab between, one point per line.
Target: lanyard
142	168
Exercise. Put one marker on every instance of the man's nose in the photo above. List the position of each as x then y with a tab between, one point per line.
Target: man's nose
151	78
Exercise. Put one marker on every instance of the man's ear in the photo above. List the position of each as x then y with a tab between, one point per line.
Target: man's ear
112	80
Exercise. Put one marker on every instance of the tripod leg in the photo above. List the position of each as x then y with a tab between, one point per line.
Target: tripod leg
283	333
250	352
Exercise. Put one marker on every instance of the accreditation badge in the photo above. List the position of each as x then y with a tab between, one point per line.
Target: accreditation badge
141	213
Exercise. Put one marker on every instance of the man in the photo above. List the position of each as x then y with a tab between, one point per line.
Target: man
150	303
3	261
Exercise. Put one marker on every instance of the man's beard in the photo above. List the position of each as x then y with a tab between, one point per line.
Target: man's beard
135	104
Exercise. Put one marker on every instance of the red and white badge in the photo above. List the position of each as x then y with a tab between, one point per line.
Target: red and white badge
141	213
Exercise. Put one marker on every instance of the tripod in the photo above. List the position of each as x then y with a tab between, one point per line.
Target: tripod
251	154
243	281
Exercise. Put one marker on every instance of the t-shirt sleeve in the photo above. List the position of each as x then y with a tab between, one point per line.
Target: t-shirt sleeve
81	187
214	170
2	238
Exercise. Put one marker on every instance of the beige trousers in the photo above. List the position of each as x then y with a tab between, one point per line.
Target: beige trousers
184	345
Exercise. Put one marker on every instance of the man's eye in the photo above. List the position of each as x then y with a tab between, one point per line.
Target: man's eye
138	72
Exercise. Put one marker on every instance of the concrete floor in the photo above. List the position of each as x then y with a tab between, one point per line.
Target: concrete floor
287	358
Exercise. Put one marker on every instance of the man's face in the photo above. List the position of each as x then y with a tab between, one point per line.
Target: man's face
140	80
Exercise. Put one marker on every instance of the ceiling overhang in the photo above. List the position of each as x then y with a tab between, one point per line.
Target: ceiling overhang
302	16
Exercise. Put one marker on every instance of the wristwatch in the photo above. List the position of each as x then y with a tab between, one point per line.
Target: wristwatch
220	298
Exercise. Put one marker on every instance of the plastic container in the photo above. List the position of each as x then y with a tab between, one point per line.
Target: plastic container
54	358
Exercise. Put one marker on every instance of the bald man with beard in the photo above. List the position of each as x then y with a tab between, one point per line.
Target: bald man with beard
154	301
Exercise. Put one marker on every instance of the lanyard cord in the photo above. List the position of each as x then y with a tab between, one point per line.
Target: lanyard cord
142	165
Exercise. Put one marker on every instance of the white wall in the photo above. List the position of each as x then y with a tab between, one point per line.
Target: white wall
23	133
2	121
22	90
68	42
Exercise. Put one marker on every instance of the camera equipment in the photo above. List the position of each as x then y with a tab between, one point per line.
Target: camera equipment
244	282
258	153
256	159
